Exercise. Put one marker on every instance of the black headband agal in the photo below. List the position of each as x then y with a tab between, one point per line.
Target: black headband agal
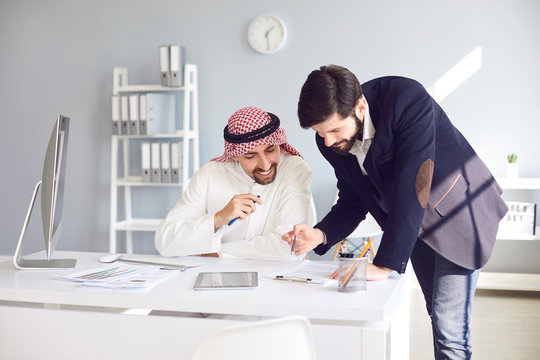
254	135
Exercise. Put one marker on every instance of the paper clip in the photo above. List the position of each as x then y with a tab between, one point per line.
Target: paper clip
281	277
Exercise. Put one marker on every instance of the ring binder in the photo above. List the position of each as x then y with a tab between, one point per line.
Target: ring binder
164	66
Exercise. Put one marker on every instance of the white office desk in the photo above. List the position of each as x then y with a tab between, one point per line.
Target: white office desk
37	310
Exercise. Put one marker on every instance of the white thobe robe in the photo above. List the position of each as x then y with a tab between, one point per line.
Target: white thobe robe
188	229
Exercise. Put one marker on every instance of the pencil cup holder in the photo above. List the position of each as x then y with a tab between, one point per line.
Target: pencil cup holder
352	273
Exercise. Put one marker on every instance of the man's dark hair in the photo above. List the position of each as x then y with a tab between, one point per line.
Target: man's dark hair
330	89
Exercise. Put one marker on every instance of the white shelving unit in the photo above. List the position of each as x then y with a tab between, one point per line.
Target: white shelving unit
124	182
513	281
519	183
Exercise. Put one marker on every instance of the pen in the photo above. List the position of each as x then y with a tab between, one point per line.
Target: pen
293	243
366	248
236	218
350	274
280	277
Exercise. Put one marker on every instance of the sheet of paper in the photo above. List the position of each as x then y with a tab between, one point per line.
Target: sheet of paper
109	272
142	280
317	271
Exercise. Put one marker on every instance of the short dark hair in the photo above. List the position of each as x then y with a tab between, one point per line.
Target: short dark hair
329	89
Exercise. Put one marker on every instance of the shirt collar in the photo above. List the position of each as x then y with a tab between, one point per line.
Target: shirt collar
369	129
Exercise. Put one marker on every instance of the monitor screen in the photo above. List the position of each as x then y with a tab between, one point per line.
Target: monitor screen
52	198
53	181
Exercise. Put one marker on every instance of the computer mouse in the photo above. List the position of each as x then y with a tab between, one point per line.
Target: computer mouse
109	258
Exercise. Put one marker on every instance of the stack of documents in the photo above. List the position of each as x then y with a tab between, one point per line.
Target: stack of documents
121	275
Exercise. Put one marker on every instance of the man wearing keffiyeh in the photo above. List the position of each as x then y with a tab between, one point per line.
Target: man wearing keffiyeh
242	202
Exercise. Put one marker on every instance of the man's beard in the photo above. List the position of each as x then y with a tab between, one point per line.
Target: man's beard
265	181
349	143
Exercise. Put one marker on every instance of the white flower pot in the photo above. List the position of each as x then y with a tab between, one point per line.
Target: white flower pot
511	170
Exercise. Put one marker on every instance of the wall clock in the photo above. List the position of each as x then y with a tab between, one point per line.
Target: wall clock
266	34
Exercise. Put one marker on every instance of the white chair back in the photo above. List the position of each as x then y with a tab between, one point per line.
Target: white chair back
367	228
282	338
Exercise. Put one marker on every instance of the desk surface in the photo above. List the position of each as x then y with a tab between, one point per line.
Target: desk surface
271	298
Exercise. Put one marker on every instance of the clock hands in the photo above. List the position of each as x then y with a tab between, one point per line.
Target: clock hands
267	39
268	31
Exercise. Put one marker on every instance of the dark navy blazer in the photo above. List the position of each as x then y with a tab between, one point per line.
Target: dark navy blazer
458	216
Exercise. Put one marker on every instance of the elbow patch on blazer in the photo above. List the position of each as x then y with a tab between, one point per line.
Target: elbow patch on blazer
423	182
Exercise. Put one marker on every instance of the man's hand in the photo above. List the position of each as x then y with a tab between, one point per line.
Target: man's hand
240	206
375	272
307	238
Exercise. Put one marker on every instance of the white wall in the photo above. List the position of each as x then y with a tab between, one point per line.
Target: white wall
57	56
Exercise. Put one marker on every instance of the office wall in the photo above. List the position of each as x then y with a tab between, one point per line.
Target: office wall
57	57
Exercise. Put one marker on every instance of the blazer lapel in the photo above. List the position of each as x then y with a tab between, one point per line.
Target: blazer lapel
374	153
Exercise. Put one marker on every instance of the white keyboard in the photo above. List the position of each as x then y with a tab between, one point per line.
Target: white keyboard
181	261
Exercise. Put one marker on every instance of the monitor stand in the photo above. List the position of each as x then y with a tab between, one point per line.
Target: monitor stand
37	264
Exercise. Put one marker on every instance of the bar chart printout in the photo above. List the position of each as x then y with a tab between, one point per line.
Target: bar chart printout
109	273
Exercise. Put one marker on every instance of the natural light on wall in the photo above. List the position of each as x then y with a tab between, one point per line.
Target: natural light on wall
457	75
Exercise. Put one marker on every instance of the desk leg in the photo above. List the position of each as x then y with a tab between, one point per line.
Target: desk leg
388	343
399	331
341	342
374	341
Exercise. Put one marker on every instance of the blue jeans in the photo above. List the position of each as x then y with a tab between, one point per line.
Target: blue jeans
448	290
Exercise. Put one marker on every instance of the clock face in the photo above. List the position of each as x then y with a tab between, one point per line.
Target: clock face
266	34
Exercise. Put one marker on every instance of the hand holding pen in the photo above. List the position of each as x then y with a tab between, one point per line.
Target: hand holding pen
239	207
303	238
236	218
293	245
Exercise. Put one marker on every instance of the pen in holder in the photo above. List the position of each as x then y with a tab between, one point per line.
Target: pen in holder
352	273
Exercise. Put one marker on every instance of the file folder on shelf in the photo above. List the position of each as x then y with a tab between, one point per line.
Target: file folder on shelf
166	162
164	65
124	115
115	107
160	113
133	114
175	162
156	162
142	114
145	162
177	60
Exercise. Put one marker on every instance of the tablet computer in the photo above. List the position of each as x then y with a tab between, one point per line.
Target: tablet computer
226	280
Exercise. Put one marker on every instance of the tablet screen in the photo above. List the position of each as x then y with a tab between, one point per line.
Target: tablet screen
226	280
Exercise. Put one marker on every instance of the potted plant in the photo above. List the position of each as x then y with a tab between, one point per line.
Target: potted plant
512	166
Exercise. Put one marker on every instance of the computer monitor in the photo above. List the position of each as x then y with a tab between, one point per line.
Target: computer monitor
52	196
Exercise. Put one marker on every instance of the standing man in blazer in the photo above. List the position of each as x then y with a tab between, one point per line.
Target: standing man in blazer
397	156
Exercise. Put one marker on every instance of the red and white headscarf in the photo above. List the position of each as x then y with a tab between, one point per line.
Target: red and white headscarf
250	127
